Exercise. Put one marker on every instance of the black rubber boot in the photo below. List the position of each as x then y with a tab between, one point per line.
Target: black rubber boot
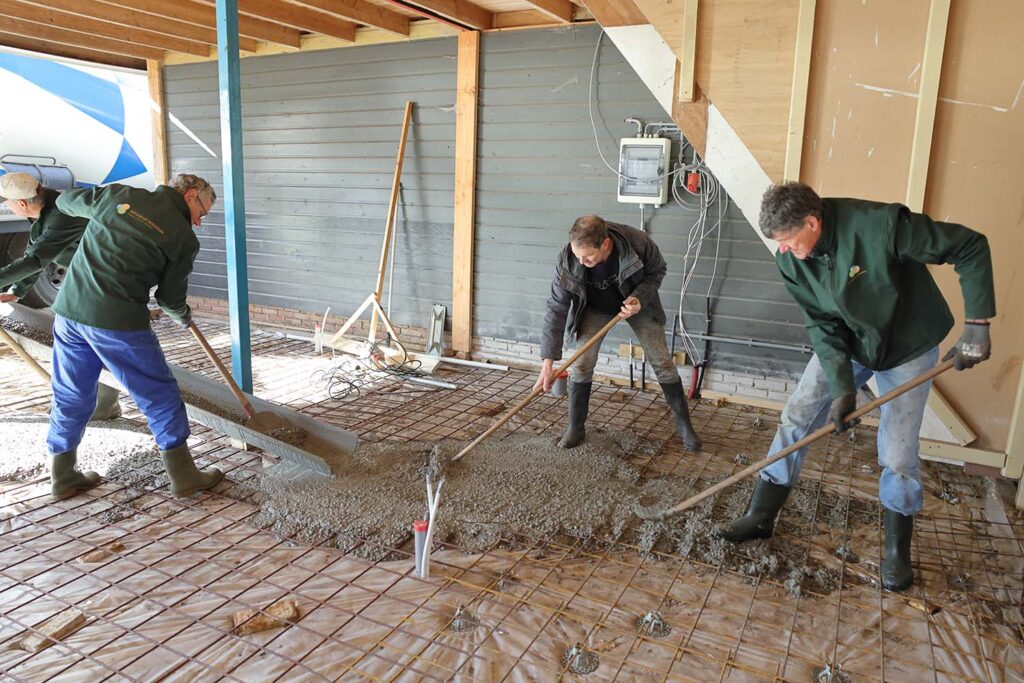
676	400
579	405
759	521
186	479
65	480
897	574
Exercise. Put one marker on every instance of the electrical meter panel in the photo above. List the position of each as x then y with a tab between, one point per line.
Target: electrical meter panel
643	170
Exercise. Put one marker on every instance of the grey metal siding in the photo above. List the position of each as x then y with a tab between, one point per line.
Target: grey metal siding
320	133
539	169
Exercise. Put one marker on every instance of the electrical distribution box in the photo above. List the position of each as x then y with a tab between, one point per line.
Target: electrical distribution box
643	170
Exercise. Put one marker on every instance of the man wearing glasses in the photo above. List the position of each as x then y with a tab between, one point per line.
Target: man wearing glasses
135	240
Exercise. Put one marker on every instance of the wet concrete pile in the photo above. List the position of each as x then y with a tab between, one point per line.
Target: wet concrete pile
524	483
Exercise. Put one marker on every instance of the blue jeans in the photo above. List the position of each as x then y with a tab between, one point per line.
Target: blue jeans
899	487
134	358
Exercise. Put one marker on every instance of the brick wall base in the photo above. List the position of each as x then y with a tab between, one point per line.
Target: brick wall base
611	368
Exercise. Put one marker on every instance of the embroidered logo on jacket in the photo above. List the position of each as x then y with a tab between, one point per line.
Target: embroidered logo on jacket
123	209
856	272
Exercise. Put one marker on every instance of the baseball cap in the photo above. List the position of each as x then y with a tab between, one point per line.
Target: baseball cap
18	186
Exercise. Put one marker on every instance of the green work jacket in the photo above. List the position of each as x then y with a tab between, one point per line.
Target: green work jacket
866	292
136	240
53	237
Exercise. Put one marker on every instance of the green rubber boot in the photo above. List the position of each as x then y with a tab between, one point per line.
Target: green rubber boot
65	480
186	478
107	405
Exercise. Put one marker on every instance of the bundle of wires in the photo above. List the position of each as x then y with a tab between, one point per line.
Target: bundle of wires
709	193
352	374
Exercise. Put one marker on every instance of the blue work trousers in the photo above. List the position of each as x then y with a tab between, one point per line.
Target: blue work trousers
134	358
899	486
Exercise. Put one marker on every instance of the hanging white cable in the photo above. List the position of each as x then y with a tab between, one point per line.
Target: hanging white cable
709	193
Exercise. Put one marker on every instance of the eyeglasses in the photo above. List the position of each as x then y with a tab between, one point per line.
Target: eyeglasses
206	209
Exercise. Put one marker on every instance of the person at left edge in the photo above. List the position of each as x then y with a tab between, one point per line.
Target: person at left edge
52	238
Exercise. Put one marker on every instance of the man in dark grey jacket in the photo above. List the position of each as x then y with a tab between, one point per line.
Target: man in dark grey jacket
606	269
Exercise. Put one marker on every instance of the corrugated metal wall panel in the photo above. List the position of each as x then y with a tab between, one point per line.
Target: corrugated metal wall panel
539	169
320	132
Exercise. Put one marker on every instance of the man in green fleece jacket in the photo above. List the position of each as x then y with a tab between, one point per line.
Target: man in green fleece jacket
135	240
858	269
52	238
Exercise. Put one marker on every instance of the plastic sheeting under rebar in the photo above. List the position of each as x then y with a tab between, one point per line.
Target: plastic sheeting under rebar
160	608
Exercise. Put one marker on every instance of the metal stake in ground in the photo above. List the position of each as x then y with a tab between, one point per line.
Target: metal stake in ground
538	391
653	512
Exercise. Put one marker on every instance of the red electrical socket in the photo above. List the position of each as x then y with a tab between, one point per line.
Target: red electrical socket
693	182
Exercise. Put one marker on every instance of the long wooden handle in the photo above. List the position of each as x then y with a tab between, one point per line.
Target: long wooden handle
16	347
810	438
390	224
212	355
538	391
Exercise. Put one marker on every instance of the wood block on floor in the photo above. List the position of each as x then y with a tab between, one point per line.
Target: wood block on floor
277	615
52	630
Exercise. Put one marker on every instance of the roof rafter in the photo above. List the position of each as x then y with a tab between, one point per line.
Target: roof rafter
150	22
362	12
296	16
562	10
16	9
457	11
69	52
200	14
42	32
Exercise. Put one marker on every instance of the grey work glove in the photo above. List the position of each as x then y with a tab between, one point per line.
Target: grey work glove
184	321
972	347
840	408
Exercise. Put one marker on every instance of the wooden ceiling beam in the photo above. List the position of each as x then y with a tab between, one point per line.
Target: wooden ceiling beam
362	12
296	16
27	29
15	9
562	10
149	22
458	11
615	12
192	12
69	52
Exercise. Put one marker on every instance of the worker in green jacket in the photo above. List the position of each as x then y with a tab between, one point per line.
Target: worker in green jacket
858	269
135	240
53	238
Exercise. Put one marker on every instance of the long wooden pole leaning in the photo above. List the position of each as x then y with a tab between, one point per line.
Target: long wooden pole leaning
390	226
537	392
212	355
806	441
32	363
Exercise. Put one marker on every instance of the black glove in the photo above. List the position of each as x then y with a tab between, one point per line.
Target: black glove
840	408
972	347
